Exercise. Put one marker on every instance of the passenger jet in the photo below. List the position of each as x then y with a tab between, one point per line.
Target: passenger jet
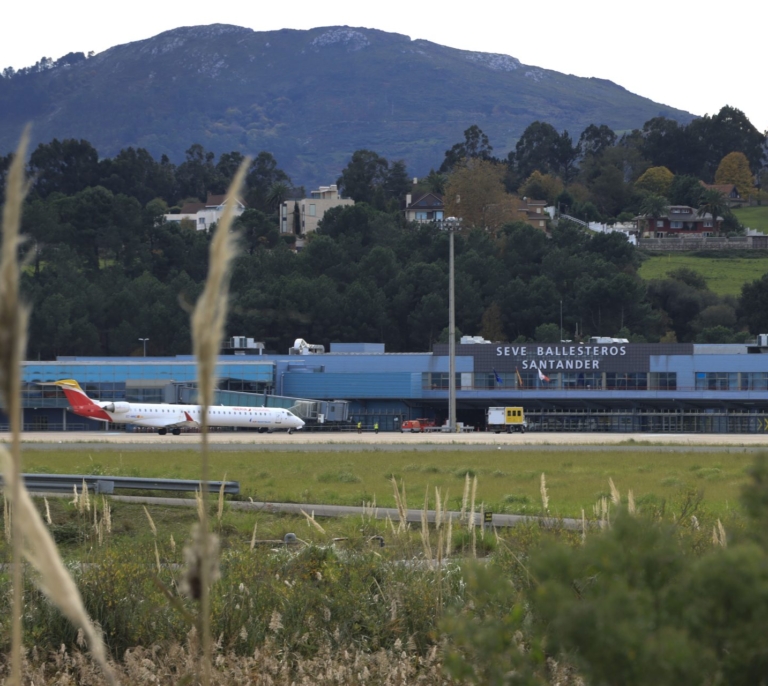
172	418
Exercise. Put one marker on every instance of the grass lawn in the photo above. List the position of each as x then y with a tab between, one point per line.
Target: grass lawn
724	275
753	217
508	480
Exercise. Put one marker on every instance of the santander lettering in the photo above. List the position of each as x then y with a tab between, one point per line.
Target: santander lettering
554	357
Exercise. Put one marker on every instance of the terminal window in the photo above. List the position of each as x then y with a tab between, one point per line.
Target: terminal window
664	381
632	381
716	381
754	381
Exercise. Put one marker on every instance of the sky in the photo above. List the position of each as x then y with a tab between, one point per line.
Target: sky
688	55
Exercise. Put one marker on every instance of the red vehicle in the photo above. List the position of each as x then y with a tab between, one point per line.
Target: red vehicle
416	425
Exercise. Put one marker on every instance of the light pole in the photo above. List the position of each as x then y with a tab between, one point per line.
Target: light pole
144	341
451	224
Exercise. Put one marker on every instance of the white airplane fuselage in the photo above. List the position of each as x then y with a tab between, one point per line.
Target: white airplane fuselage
165	417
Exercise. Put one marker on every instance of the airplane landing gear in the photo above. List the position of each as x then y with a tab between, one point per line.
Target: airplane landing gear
290	431
176	432
162	432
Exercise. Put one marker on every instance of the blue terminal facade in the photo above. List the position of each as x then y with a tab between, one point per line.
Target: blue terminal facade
562	387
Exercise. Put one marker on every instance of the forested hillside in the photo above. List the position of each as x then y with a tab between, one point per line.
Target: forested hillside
310	97
104	269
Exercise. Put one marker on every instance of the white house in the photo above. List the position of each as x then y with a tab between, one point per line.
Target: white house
204	214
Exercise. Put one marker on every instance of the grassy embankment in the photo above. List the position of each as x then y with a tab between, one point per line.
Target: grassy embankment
296	611
753	217
509	480
724	275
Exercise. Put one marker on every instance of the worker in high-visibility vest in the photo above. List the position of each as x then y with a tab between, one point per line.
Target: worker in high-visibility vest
359	427
376	428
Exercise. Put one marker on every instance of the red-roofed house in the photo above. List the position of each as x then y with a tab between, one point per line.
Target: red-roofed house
727	190
680	220
428	207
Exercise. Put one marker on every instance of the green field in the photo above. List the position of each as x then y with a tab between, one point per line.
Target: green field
753	217
508	480
724	275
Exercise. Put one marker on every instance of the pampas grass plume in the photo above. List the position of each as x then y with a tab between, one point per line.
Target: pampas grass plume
615	495
54	580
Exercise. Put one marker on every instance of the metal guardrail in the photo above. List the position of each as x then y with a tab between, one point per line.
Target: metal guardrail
65	483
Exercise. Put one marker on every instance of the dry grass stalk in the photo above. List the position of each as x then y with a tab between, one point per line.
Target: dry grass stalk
438	509
208	321
14	316
47	511
465	497
107	510
471	522
157	559
200	504
718	535
615	495
544	494
54	580
631	507
310	522
151	521
220	511
425	529
402	507
448	538
172	543
7	519
84	502
445	506
583	526
253	535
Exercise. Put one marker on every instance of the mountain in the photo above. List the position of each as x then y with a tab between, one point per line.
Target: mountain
311	98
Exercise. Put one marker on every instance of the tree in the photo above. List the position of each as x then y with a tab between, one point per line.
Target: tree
734	169
397	183
595	140
134	172
537	149
540	186
753	304
713	203
665	144
685	190
653	208
475	193
197	176
565	155
262	175
67	166
492	327
656	180
730	130
475	145
547	333
364	177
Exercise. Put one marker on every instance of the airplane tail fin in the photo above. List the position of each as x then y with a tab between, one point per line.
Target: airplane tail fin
76	396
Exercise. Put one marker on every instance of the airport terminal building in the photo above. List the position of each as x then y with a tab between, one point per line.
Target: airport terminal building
600	386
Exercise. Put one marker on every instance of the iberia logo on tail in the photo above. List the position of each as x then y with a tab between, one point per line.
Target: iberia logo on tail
80	402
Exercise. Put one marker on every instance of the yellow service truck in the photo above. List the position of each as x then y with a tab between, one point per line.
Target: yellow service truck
507	419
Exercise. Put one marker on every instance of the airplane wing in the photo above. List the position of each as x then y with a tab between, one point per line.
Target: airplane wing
183	419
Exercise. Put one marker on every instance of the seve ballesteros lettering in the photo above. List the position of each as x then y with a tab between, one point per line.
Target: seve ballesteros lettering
554	357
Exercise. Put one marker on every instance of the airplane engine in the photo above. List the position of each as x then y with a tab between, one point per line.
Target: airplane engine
117	407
